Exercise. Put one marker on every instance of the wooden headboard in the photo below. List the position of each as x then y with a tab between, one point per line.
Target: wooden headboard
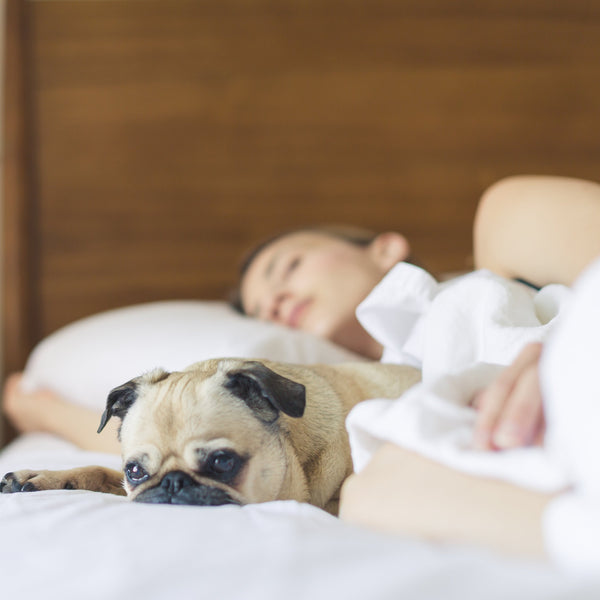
149	142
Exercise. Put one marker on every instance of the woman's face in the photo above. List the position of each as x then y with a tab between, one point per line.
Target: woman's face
314	282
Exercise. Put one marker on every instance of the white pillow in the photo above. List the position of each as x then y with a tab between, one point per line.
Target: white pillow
84	360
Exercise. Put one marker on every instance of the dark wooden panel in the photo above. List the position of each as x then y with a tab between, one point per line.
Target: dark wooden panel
19	324
171	135
19	298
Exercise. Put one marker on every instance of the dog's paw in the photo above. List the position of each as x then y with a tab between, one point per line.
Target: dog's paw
93	478
32	481
19	481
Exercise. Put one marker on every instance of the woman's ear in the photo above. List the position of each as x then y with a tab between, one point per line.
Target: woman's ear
389	248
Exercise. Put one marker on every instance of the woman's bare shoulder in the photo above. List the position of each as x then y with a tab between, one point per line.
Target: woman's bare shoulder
543	229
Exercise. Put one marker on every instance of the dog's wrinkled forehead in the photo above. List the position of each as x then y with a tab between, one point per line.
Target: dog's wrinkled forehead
264	391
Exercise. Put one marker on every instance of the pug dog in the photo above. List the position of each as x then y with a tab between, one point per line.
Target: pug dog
232	431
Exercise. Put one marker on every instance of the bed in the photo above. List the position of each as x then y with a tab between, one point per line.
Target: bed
149	143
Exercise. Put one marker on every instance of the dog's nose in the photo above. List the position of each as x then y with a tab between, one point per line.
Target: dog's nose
175	481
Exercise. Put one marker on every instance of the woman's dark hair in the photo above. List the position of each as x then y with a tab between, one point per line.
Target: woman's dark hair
355	235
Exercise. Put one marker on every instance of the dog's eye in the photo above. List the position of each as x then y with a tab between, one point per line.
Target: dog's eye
135	473
223	462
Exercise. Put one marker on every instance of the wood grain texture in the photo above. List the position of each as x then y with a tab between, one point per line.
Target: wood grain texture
19	301
169	136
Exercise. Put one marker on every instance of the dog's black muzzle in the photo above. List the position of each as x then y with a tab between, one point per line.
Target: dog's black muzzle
178	487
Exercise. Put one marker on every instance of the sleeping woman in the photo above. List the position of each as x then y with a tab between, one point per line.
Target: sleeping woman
538	229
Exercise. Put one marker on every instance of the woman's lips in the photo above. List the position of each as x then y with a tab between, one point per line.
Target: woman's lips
297	314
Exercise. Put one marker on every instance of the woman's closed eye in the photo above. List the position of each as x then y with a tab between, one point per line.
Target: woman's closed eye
277	275
292	264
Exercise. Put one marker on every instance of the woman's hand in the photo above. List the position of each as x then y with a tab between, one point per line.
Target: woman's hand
43	410
510	410
27	411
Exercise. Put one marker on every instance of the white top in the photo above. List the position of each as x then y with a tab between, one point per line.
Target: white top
444	328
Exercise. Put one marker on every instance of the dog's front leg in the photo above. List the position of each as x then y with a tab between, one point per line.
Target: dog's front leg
96	479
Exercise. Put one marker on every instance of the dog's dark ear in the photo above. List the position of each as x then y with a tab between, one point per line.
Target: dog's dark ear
121	398
119	401
267	392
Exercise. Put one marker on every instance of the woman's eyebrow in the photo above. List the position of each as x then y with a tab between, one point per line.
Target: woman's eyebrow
255	312
271	265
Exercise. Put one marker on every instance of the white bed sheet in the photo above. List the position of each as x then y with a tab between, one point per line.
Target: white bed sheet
77	544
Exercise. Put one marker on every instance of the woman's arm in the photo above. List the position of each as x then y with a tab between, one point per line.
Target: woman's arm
43	410
541	229
402	492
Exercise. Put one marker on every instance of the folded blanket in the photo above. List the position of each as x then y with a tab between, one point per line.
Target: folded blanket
460	333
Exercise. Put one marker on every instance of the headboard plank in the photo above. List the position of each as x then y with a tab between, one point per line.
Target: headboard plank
18	213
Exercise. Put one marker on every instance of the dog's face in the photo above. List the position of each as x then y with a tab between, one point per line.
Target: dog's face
212	434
